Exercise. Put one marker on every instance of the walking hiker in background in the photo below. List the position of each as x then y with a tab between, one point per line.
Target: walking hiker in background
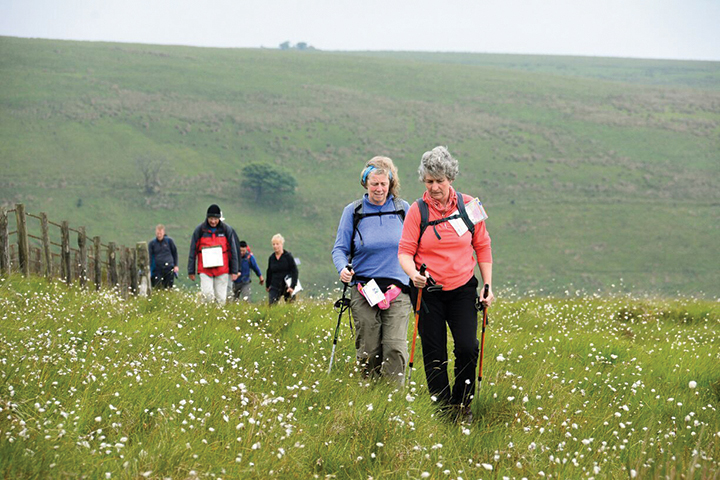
367	237
444	238
241	286
282	272
163	259
214	250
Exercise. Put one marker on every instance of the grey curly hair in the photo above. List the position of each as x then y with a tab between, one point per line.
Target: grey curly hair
438	163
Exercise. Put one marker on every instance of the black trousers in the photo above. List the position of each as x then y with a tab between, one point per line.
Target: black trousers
164	279
455	309
274	295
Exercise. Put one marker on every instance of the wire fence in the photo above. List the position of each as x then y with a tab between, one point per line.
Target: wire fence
33	245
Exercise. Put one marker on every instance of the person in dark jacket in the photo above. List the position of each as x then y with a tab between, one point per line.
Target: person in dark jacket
163	259
281	264
215	251
241	286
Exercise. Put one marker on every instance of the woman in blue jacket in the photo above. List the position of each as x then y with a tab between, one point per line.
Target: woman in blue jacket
368	237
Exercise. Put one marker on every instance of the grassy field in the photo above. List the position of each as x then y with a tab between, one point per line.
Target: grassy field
574	387
597	174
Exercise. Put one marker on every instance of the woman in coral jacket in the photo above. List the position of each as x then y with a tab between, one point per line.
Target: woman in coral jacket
214	250
448	256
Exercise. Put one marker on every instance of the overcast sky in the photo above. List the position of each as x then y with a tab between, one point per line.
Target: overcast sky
672	29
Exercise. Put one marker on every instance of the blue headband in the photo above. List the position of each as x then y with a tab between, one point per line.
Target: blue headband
369	169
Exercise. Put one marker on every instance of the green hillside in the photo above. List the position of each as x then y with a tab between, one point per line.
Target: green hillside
590	183
699	74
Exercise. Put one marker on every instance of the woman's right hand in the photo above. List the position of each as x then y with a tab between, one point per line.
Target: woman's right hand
346	275
418	280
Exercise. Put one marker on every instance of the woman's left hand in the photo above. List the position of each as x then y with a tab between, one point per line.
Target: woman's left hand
487	301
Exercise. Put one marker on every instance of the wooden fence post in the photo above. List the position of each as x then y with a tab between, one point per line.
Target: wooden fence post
4	243
37	262
143	266
22	241
65	253
98	262
125	283
124	271
121	267
112	266
47	255
82	261
133	269
75	264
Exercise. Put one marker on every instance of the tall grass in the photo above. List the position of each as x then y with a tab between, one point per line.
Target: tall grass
580	387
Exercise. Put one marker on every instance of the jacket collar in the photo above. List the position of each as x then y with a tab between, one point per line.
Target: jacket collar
388	201
437	206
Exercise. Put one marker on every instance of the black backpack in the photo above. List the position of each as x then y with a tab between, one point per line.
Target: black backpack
359	214
425	215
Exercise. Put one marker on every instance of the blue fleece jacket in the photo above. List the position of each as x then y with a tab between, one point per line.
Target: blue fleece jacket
247	262
376	252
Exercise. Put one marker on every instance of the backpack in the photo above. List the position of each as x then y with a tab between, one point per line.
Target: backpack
359	214
425	215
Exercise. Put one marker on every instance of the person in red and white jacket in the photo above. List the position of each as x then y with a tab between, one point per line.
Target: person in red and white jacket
214	249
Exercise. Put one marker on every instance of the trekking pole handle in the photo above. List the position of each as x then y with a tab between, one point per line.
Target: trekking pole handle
421	272
349	268
483	307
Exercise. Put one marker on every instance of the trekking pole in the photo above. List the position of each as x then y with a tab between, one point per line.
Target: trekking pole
418	304
486	291
343	304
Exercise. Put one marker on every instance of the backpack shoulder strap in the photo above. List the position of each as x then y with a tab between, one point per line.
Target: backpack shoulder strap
399	209
424	216
463	213
358	214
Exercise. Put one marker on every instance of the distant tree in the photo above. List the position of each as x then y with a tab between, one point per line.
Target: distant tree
150	168
298	46
265	179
